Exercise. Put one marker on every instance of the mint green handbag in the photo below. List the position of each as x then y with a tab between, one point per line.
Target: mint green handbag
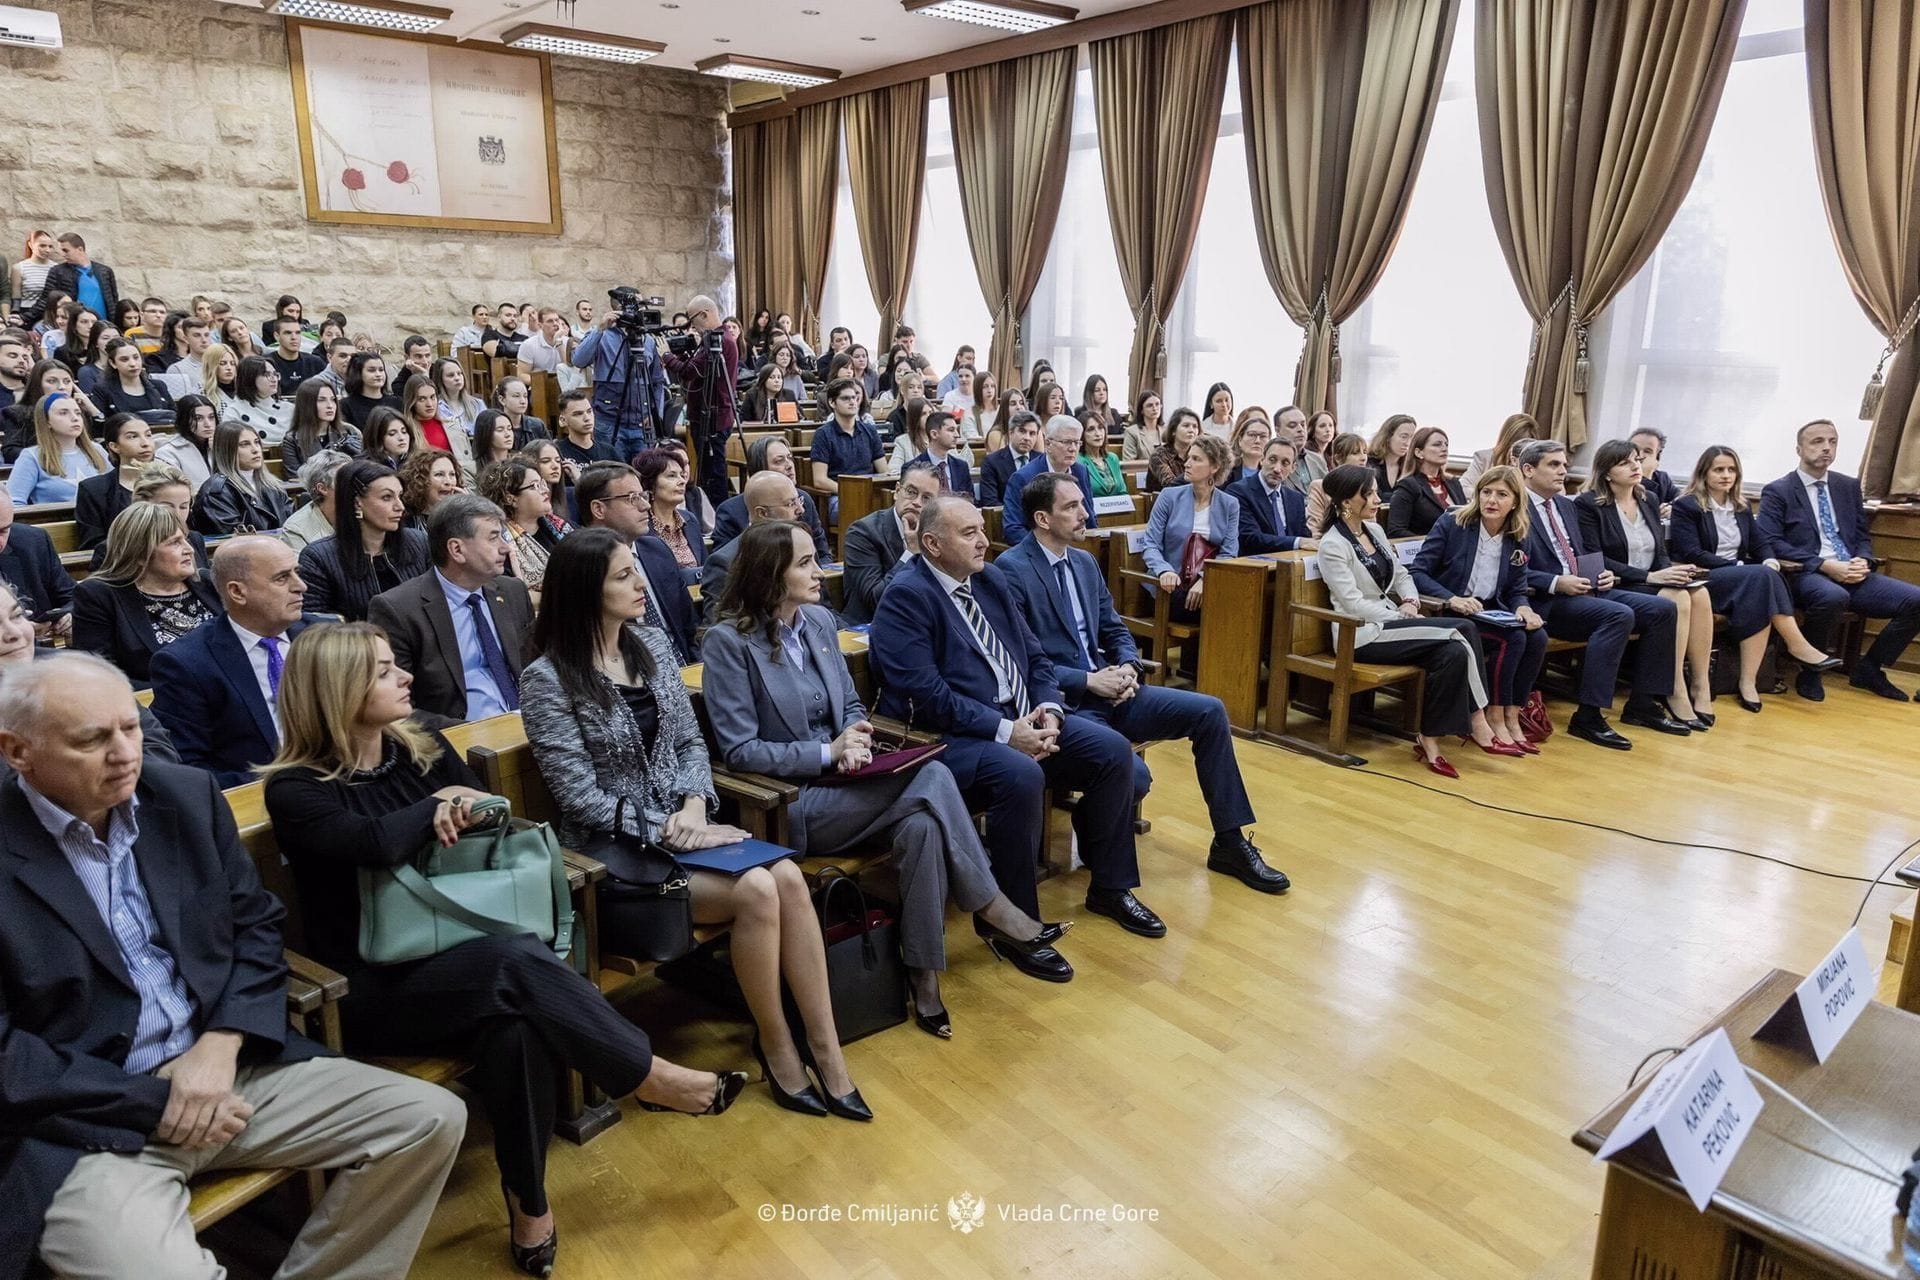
498	879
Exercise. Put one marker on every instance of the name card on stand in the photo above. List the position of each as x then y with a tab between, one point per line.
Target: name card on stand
1117	504
1695	1114
1826	1004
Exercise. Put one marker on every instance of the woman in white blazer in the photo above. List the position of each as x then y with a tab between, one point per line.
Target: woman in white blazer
1366	580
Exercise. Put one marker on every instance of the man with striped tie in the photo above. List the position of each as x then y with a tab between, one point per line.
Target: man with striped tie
956	657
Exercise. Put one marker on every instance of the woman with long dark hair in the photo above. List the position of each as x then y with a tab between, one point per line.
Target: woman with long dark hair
126	386
129	442
368	388
190	448
1425	493
1219	409
1095	399
242	495
371	550
1167	466
512	397
316	424
1143	432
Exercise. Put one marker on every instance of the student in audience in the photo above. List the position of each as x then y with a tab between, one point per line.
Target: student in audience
391	439
367	390
1053	403
1219	420
238	338
839	340
129	389
944	445
479	320
1366	580
863	371
1514	432
1616	517
1248	445
457	409
1012	404
1714	528
579	446
148	319
214	687
770	453
1167	465
1103	467
1475	561
769	390
51	331
27	278
416	358
78	276
1650	443
334	329
16	357
960	403
242	495
1273	514
63	456
1390	452
285	307
316	425
1321	430
501	341
964	358
997	468
846	445
293	364
987	407
1060	454
314	520
138	1085
1144	432
357	784
189	449
339	356
880	543
907	388
548	348
1094	398
82	342
427	478
1039	376
1199	509
517	488
30	566
1291	424
420	402
371	550
955	657
493	439
162	484
148	593
220	378
512	396
663	477
1579	607
1427	492
610	496
1059	588
770	497
45	378
183	365
100	498
258	404
1815	517
759	336
544	456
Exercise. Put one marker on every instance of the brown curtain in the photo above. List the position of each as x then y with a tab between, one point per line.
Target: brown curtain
766	262
1157	95
1012	127
887	167
818	175
1338	98
1593	116
1863	76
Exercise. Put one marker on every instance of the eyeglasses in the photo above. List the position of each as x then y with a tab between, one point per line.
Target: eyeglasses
637	499
538	486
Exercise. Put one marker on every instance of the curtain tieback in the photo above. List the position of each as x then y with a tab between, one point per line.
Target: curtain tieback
1870	400
1539	327
1146	322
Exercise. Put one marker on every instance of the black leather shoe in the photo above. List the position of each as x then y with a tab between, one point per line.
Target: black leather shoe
1051	931
805	1099
1706	721
1809	686
1595	729
1127	911
1820	667
1874	680
531	1259
1747	706
1034	959
937	1023
1238	857
848	1106
1655	718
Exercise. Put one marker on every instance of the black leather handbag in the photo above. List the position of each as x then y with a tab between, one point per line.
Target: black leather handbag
646	904
865	974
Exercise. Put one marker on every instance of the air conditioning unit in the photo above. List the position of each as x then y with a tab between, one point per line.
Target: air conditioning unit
29	28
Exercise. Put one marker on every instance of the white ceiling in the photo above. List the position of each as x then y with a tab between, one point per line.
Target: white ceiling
694	29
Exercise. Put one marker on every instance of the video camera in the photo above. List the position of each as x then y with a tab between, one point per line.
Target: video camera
634	314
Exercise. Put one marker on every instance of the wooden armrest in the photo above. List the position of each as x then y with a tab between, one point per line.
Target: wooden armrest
303	997
1136	575
1328	615
1431	605
591	870
755	790
1148	665
1792	566
329	985
894	729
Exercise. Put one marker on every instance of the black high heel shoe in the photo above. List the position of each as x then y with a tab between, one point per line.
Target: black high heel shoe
727	1087
1753	706
530	1259
936	1023
849	1105
1051	931
805	1100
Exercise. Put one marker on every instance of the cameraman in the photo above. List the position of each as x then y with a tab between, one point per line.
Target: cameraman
628	406
708	424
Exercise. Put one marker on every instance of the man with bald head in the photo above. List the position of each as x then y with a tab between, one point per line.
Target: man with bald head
214	688
146	1018
710	391
768	496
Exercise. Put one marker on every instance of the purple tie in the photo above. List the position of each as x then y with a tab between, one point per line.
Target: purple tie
275	664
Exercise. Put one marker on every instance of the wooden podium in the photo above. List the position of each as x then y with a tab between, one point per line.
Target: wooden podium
1797	1203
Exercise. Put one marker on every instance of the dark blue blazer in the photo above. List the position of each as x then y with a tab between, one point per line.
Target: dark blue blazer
931	673
1444	565
730	521
1603	530
1790	530
31	567
995	470
1051	617
1258	532
205	694
670	591
71	1010
1543	560
1661	486
1694	538
959	477
1013	521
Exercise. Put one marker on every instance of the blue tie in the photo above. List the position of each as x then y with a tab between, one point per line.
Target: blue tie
1828	525
503	678
1066	591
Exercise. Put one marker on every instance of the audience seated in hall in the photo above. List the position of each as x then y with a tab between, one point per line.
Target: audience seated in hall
998	467
1273	513
1248	444
730	519
242	495
1144	431
1426	493
609	496
189	450
129	444
881	542
1190	524
1167	464
769	496
62	456
848	445
1059	454
663	479
533	531
147	594
368	388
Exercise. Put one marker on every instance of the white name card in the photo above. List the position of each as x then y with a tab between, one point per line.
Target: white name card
1118	504
1827	1003
1136	539
1699	1109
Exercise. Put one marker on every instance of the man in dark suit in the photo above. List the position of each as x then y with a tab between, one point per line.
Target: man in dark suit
955	656
145	1031
1815	515
943	438
878	544
769	496
1650	443
1273	514
32	568
610	494
460	629
1060	455
1580	608
1023	438
1065	600
214	687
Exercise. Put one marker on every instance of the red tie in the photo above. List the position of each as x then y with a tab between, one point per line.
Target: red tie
1567	558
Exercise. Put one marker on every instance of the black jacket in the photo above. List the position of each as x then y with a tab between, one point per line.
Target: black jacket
64	277
31	566
331	590
1412	509
1694	539
1602	530
222	508
100	499
111	620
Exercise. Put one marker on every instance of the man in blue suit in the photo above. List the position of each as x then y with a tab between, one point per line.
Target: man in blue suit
955	656
1815	515
1023	438
1094	658
943	437
1060	455
214	687
31	566
1581	608
1273	514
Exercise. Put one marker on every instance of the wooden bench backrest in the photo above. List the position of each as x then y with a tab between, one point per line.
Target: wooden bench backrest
543	396
65	535
1310	637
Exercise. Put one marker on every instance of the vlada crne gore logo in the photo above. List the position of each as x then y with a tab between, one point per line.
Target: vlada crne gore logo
966	1213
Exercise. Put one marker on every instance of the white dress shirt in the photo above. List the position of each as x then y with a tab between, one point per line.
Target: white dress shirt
1547	518
1485	579
1002	691
257	659
1726	529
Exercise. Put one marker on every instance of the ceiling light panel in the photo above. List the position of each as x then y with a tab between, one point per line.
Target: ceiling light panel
580	44
1004	15
788	75
414	18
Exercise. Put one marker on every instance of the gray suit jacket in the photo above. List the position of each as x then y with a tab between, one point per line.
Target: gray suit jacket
873	554
419	626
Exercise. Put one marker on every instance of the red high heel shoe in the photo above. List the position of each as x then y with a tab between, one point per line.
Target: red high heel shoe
1526	745
1496	747
1436	762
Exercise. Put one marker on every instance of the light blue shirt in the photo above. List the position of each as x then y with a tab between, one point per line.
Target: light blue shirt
1080	628
87	291
107	872
483	695
30	483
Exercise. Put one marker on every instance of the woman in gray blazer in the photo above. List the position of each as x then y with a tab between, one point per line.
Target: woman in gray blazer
610	720
781	702
1203	506
1366	580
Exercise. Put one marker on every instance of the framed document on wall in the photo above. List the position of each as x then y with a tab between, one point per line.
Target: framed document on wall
418	131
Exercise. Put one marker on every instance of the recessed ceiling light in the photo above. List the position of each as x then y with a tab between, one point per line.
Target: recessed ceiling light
1007	15
580	44
388	15
791	75
723	39
810	13
668	4
869	39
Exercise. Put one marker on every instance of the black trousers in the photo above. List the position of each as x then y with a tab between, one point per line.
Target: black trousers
518	1013
1449	649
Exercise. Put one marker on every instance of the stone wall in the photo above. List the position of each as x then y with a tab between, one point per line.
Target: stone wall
164	133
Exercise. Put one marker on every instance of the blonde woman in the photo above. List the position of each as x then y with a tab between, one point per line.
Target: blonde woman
63	454
242	495
148	592
220	377
1514	432
1389	452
